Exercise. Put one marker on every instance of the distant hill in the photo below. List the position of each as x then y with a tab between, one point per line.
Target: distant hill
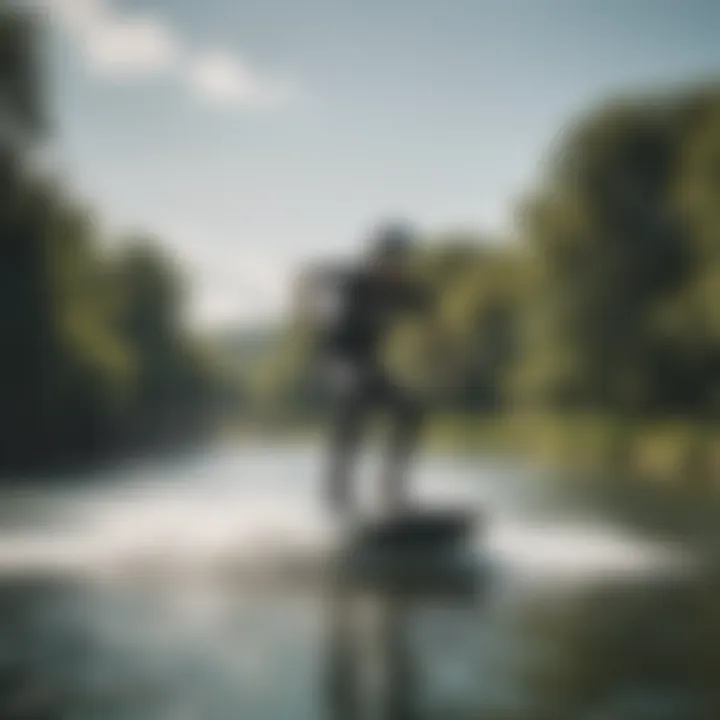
244	347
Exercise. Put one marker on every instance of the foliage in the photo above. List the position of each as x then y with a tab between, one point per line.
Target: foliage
624	239
606	305
96	360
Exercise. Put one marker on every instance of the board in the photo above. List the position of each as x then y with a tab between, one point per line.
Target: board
418	531
417	549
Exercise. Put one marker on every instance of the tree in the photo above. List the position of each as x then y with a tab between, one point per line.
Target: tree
614	250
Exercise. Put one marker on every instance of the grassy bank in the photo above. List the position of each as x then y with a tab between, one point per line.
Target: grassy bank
666	453
661	453
661	476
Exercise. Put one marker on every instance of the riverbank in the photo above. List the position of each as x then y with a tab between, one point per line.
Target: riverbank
662	475
659	452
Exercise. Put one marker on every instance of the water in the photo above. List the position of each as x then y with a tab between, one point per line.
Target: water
200	589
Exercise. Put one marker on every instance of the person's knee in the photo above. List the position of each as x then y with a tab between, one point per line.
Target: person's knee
346	427
410	413
344	437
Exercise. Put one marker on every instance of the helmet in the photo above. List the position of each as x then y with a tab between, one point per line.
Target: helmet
392	241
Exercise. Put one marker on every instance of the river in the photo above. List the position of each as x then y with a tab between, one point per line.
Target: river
195	589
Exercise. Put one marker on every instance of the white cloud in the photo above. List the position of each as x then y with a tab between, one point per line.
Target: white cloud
128	47
77	15
221	78
140	46
124	47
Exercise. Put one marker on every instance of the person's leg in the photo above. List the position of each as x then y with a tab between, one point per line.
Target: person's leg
348	417
405	414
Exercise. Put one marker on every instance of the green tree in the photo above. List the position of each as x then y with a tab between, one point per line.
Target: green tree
614	256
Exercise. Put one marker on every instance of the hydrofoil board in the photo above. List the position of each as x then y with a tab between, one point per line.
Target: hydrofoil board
415	546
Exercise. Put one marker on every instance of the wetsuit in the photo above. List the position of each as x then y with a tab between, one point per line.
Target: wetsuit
366	304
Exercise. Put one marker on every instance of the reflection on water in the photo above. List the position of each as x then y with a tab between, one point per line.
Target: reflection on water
149	598
396	656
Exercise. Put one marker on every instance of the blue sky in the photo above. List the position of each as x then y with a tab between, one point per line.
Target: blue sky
252	135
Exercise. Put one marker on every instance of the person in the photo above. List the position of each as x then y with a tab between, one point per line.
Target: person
359	306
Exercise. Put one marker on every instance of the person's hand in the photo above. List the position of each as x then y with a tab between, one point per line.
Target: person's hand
343	376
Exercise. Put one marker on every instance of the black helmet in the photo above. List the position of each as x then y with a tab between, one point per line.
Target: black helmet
392	241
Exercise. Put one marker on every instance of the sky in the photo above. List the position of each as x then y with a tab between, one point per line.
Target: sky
253	135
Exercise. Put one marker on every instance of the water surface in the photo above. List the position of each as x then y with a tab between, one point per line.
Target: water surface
199	589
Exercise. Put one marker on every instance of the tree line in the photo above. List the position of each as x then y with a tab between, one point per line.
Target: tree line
96	361
605	300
